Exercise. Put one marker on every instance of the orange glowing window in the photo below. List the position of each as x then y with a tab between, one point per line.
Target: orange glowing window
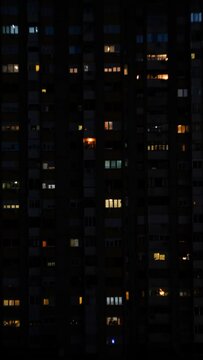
44	243
89	142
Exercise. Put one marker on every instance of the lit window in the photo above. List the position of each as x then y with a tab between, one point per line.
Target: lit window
186	257
158	256
114	300
37	67
113	203
44	243
45	301
111	48
80	300
10	29
51	263
80	127
44	90
112	68
11	302
196	17
10	68
163	292
33	29
11	323
74	242
183	147
157	147
182	92
113	321
73	70
127	295
182	129
108	125
113	164
90	143
11	206
193	56
157	57
157	76
125	70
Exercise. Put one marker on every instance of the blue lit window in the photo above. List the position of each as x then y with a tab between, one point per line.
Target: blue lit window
33	29
162	37
196	17
10	29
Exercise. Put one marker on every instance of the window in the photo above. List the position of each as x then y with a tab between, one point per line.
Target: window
139	39
113	203
90	143
80	300
157	57
113	321
111	29
33	29
127	295
11	323
182	129
157	76
74	242
114	300
73	50
157	147
49	30
10	29
108	125
109	68
125	70
10	68
196	17
45	301
11	302
182	92
37	67
11	185
74	30
73	69
111	48
158	256
113	164
11	206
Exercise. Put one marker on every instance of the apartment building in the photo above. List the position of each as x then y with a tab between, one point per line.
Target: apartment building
101	224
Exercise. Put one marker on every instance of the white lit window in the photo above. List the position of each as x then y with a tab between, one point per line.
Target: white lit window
114	300
10	68
182	92
73	70
113	320
10	29
74	242
113	164
33	29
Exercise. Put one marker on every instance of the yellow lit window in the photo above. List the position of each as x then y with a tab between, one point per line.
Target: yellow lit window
113	203
11	323
45	301
44	91
127	296
158	76
157	57
80	300
37	67
109	48
186	257
80	127
158	256
193	56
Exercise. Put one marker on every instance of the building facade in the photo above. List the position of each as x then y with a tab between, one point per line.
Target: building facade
101	225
